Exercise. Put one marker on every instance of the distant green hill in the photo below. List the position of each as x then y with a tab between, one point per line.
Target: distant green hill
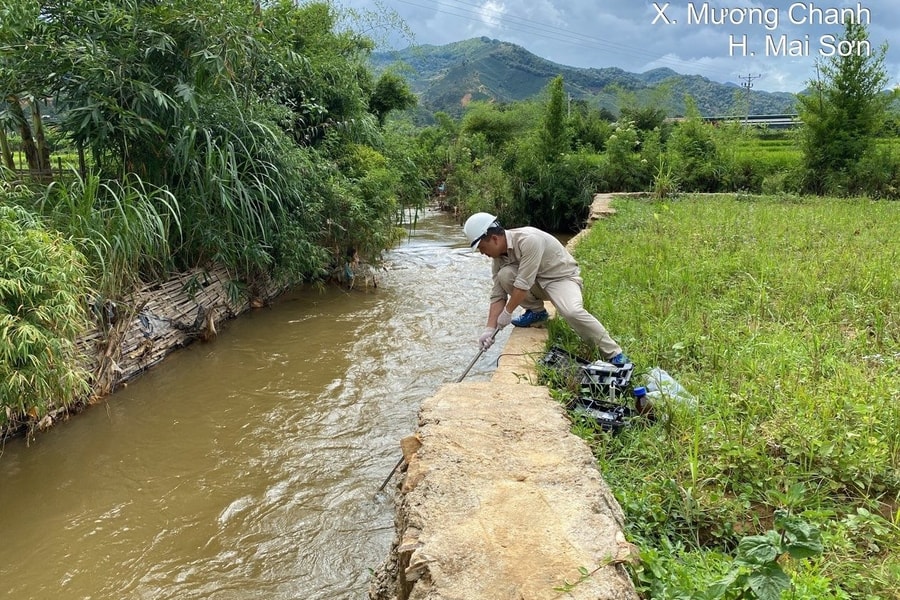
447	77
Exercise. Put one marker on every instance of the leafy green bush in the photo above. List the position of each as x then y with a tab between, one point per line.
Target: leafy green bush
589	129
623	169
42	298
361	213
781	182
554	196
496	125
487	188
756	572
693	154
876	174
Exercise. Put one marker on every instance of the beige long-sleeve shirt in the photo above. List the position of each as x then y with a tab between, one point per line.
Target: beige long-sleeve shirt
540	258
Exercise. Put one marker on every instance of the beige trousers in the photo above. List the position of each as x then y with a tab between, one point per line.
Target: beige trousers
566	296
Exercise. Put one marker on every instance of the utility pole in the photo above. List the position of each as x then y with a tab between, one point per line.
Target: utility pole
747	85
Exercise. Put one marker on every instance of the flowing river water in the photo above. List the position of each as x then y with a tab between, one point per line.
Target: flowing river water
248	467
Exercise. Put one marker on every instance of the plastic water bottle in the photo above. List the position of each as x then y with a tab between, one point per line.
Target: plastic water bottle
662	385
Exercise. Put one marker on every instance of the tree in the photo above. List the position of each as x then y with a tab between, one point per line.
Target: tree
554	139
844	111
20	35
391	93
649	114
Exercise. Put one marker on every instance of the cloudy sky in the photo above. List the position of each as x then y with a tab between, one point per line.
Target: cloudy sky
774	43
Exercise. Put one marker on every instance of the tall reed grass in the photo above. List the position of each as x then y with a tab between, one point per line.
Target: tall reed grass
124	228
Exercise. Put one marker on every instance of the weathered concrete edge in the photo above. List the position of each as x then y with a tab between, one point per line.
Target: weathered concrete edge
412	571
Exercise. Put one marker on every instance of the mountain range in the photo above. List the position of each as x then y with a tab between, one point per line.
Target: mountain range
446	78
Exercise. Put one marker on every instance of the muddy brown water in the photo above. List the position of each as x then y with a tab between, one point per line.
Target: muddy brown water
248	467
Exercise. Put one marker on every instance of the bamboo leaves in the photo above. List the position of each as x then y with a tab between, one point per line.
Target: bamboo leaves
42	292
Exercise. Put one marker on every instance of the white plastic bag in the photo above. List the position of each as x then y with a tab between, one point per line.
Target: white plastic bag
662	385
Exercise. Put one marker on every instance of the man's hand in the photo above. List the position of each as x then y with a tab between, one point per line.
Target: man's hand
504	318
487	339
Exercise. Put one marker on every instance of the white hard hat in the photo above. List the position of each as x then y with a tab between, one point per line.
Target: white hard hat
477	225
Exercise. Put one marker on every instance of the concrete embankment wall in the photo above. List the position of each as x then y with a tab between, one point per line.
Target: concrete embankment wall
500	500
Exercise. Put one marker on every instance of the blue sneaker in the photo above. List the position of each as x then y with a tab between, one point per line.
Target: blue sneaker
530	317
621	359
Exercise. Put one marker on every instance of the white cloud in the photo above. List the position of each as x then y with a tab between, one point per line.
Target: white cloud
491	13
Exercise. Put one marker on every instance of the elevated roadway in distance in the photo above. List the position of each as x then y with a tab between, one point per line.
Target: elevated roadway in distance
783	121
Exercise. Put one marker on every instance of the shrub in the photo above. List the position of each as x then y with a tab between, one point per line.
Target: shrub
554	196
624	171
876	174
42	298
693	154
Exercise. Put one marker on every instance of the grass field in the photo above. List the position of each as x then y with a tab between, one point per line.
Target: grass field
782	318
787	147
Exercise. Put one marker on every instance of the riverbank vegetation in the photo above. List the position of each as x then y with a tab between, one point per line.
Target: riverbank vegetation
161	137
779	316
